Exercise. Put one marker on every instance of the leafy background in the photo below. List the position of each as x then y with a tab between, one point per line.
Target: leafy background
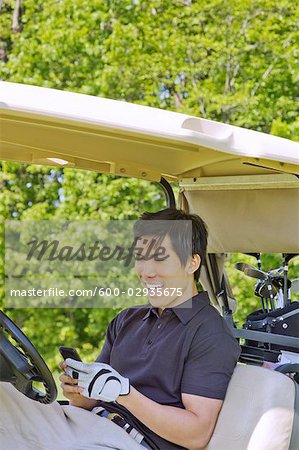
230	61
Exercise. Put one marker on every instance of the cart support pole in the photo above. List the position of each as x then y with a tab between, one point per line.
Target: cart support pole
170	198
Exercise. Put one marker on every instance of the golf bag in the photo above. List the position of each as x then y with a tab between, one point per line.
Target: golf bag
284	321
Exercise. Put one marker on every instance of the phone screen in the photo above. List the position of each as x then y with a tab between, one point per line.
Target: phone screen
69	352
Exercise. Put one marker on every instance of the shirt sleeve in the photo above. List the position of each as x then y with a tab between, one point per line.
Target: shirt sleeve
104	356
210	365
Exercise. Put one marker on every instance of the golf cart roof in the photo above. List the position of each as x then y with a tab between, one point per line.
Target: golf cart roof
48	126
224	171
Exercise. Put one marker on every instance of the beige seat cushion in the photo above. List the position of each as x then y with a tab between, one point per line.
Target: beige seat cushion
257	413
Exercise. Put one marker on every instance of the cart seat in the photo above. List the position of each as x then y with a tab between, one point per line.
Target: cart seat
259	412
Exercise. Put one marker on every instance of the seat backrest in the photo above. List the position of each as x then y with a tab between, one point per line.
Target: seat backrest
257	413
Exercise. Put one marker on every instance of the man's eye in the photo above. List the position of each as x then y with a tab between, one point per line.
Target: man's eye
138	256
159	257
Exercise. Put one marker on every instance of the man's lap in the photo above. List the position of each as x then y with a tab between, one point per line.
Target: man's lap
28	425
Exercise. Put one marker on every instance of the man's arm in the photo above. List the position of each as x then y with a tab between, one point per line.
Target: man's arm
207	372
191	427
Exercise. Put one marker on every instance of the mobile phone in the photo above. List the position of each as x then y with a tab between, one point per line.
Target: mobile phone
69	352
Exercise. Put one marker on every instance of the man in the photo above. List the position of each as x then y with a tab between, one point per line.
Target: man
165	367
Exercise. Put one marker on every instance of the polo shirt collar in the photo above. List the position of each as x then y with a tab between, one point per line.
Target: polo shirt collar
151	310
185	311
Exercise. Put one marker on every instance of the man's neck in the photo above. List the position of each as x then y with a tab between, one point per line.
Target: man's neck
180	301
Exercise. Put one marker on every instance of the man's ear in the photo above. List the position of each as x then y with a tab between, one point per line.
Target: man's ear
194	264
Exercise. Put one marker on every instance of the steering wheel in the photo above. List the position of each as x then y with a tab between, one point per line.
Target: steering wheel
21	364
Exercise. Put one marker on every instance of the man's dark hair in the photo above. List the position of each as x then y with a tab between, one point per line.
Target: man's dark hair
180	227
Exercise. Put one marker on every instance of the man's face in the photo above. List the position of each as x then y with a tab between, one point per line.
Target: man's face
167	281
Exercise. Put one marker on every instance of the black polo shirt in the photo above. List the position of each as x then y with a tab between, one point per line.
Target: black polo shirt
189	349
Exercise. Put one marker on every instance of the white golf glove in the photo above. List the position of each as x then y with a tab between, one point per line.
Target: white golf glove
100	381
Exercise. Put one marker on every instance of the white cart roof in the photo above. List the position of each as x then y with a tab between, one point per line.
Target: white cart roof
242	182
48	126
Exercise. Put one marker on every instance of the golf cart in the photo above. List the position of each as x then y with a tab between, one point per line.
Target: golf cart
244	184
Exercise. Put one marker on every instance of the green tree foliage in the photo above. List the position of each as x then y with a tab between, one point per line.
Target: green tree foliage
234	62
38	193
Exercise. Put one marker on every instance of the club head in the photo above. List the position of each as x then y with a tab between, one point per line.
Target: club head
276	273
241	266
256	273
251	271
265	289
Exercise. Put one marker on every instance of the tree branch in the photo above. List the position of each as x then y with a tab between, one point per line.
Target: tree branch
269	69
191	73
227	77
16	15
229	83
202	107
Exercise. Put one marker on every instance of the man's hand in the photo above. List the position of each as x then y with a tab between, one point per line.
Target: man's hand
72	391
99	381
